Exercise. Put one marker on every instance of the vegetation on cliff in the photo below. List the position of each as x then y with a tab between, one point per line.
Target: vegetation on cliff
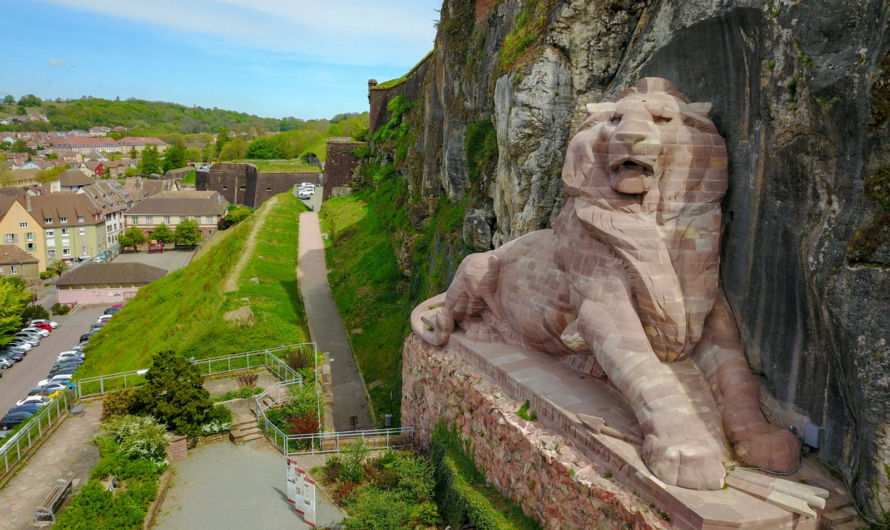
184	311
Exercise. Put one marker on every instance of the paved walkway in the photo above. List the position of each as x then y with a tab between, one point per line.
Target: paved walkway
227	486
327	330
67	451
231	284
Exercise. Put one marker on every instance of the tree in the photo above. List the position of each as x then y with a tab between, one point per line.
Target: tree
162	234
174	393
222	139
209	153
234	150
187	233
134	154
130	172
52	156
9	100
48	175
260	150
19	146
30	101
175	155
194	155
21	111
6	176
14	298
34	312
57	267
151	160
132	238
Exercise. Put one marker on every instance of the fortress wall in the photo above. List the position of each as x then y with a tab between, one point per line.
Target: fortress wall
524	460
268	185
230	180
411	88
339	164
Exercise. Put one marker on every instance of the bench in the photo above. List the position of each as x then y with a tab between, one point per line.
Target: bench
45	513
78	410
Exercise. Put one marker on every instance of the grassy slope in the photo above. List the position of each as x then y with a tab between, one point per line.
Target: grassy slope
183	311
366	285
189	178
320	148
279	166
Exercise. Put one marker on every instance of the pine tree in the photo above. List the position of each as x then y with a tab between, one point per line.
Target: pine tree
151	160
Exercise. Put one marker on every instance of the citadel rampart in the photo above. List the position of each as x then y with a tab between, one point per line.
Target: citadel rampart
243	184
339	164
411	88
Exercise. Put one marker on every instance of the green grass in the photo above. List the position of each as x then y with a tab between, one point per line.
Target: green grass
183	311
281	166
398	81
320	148
189	178
371	293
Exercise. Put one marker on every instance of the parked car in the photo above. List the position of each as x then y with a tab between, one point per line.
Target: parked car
113	310
27	337
86	336
41	325
97	325
32	399
21	344
14	356
70	354
303	195
105	318
54	379
10	347
117	305
66	363
52	324
36	331
79	347
62	368
6	362
32	408
71	359
11	421
308	189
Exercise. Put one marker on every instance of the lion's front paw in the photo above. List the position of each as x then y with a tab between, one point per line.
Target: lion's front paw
696	466
769	447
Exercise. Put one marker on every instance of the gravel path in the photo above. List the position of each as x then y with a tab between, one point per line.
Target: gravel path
231	284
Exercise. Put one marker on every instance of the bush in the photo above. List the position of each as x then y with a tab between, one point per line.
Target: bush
219	420
119	403
139	437
298	359
174	393
247	380
60	309
35	312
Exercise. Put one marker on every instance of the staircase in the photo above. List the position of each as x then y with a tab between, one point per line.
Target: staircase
244	429
840	514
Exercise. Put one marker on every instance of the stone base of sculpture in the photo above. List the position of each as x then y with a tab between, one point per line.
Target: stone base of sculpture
580	461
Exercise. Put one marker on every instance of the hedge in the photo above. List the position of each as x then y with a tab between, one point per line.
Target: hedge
461	492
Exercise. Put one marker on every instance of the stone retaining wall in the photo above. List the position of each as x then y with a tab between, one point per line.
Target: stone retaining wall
177	449
534	466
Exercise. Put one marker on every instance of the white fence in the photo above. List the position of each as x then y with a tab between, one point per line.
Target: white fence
323	442
15	447
96	386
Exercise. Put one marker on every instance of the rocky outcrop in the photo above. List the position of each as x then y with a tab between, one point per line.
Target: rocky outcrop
801	92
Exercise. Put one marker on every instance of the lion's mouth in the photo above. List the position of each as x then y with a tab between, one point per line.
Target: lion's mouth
632	175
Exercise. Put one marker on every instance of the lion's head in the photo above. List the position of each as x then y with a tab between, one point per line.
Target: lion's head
645	175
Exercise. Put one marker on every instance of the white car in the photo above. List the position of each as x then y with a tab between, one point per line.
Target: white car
104	318
41	332
21	344
54	379
36	400
307	189
6	362
307	185
70	354
52	324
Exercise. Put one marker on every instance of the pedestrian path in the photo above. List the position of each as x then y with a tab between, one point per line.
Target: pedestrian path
327	330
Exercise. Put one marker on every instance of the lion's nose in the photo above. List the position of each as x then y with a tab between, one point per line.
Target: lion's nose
628	135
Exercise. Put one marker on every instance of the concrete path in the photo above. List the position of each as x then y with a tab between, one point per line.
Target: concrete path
327	330
67	451
313	202
227	486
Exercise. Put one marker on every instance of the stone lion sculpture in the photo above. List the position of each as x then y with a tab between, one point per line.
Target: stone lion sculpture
629	274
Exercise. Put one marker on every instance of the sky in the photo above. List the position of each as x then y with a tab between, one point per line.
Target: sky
273	58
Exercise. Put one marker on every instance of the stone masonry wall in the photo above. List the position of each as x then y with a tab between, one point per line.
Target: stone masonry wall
528	463
412	88
339	164
228	179
268	185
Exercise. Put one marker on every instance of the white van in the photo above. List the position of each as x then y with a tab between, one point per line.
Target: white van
55	379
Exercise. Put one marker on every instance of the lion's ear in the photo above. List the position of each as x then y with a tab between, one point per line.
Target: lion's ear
596	108
702	108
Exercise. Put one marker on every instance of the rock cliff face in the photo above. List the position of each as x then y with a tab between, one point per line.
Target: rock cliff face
801	92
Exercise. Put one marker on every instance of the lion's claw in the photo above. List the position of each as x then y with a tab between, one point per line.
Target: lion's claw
688	465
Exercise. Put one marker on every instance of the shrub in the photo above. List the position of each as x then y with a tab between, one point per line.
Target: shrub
331	469
299	358
306	424
139	437
354	456
60	309
119	403
219	419
373	509
35	312
247	380
174	393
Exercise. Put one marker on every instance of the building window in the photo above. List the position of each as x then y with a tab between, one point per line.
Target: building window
1	270
210	220
166	220
65	232
268	189
13	269
66	251
225	188
23	225
79	218
243	188
63	219
51	253
10	238
51	242
29	247
84	252
82	231
50	233
29	236
148	220
48	221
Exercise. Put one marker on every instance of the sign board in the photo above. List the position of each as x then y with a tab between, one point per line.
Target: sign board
301	492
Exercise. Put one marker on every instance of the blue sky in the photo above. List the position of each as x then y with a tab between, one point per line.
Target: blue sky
273	58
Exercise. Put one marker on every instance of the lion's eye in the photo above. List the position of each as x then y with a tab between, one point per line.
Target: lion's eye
615	120
661	120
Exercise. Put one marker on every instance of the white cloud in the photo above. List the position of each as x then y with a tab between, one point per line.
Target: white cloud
4	92
60	62
344	31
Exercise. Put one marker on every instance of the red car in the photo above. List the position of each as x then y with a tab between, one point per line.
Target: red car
41	325
118	305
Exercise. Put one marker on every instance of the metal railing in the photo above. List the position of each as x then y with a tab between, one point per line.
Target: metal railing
14	448
323	442
96	386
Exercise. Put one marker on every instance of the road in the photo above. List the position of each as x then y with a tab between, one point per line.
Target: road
313	202
23	377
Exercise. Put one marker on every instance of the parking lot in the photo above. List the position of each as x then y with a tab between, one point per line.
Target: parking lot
24	376
171	260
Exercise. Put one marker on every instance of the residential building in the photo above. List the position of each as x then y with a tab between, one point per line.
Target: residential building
20	228
139	188
92	168
23	177
85	145
71	180
139	143
16	263
94	155
105	282
118	168
172	207
71	156
114	200
120	128
99	131
73	226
